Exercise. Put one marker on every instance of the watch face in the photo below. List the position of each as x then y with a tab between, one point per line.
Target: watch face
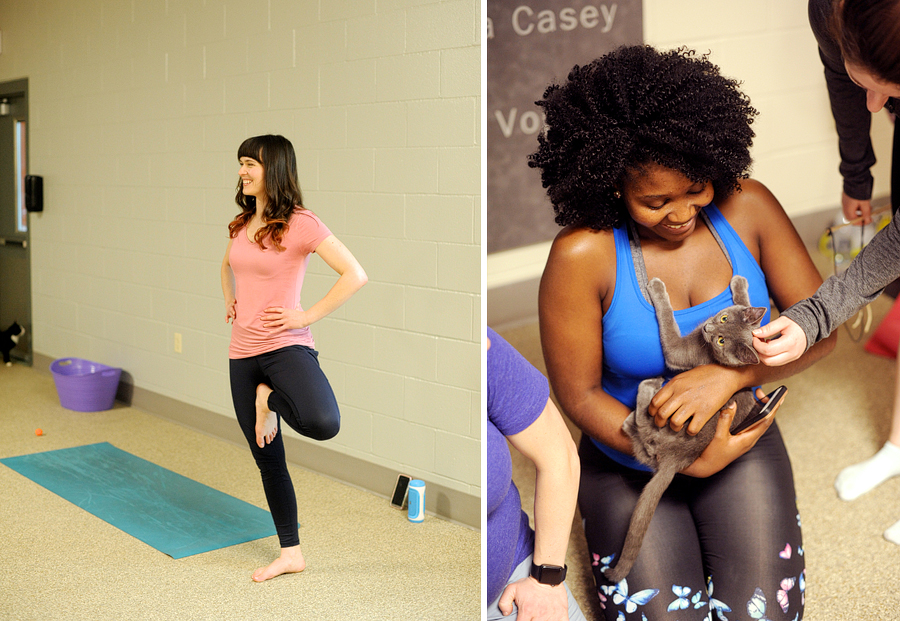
548	574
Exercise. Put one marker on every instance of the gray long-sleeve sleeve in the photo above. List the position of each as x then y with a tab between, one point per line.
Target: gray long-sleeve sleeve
841	296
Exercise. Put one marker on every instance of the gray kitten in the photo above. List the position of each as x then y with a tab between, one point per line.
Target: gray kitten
726	339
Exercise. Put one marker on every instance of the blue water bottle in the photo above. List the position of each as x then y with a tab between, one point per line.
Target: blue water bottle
416	501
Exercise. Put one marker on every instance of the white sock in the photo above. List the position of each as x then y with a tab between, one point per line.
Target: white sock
856	480
893	533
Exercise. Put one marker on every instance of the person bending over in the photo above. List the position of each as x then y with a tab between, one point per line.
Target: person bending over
859	42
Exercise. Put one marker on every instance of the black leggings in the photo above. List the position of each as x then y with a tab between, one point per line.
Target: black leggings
732	539
303	399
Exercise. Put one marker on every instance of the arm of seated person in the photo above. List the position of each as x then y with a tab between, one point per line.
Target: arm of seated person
578	280
549	445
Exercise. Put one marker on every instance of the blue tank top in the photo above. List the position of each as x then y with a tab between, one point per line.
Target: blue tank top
631	347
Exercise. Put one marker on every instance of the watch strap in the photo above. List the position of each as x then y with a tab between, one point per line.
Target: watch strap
551	575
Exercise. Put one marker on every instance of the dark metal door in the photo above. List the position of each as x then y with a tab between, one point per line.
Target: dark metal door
15	254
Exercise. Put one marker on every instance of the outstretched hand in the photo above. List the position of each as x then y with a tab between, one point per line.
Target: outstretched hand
784	349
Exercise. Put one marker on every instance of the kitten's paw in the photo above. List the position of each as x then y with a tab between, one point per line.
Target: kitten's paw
646	391
656	287
739	290
651	384
629	425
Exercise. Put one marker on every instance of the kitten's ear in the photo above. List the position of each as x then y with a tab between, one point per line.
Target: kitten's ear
747	355
754	314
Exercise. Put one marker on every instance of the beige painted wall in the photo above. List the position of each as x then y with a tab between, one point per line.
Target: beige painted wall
768	45
137	108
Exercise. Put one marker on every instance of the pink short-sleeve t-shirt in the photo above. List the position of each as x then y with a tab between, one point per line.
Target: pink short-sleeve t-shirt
266	278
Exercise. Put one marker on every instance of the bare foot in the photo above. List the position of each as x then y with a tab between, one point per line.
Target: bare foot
291	561
266	420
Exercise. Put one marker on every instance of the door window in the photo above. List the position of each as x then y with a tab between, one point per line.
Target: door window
21	171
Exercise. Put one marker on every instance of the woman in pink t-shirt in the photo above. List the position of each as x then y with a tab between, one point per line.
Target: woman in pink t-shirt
274	368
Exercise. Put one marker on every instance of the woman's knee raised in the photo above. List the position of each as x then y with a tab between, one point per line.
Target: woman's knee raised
326	427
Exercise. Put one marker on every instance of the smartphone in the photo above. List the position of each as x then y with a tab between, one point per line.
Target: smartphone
400	490
774	399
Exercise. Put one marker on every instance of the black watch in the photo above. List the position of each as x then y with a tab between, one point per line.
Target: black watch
548	574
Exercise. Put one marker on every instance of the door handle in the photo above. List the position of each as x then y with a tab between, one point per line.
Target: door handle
22	243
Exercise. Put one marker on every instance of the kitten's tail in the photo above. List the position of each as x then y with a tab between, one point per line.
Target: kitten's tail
640	521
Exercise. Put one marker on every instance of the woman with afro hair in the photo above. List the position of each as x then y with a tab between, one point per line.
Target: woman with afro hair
646	161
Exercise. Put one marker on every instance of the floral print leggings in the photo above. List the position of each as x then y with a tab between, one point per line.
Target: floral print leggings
722	548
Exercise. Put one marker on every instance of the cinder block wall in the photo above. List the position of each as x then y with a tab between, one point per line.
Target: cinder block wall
137	108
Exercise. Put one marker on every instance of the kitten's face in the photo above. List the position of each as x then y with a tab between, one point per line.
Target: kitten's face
729	333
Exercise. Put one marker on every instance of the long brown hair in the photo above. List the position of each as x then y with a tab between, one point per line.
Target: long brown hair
868	33
283	197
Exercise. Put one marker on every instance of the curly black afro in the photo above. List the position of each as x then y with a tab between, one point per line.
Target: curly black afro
632	107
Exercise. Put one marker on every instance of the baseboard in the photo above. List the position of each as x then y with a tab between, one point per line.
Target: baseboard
441	501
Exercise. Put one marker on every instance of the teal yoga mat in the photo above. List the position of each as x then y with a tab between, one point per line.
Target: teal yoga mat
174	514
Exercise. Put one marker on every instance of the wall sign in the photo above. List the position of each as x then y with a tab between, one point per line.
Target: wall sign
530	44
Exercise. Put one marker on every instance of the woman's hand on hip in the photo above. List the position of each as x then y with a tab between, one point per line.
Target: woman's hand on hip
278	319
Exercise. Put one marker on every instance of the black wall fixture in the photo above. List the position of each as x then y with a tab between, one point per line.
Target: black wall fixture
34	193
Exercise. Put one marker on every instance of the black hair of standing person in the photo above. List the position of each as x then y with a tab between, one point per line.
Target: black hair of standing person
283	197
868	33
633	107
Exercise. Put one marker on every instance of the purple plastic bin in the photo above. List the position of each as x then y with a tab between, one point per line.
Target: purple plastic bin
85	386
